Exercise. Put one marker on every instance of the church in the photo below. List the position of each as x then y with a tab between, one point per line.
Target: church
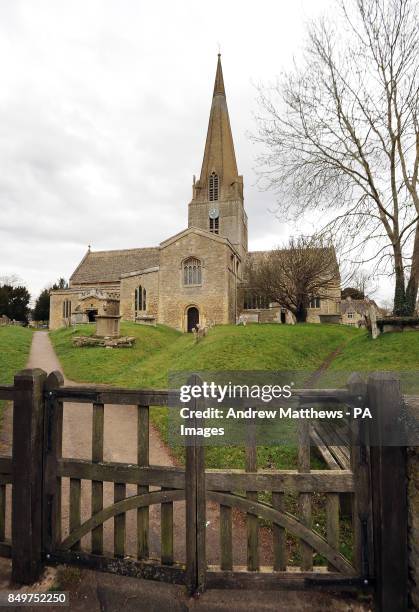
194	277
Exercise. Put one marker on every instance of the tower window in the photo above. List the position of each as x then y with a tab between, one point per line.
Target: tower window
214	225
140	299
192	271
213	187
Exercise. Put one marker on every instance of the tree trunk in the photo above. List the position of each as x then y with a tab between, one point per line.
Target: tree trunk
412	286
301	314
400	287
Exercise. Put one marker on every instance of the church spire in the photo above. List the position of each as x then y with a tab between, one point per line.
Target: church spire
219	156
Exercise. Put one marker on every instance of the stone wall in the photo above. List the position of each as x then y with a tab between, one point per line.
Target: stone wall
413	503
56	319
212	297
149	281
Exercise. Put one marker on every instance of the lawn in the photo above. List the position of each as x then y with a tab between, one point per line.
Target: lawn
305	347
160	349
15	343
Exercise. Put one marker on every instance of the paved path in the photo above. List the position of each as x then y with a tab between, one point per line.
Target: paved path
120	444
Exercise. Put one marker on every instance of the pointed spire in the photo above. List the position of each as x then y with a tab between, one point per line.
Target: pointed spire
219	81
219	155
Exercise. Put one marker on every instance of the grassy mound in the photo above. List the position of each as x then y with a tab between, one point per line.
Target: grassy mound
160	349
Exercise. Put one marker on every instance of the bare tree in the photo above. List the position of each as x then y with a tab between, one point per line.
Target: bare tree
306	269
342	136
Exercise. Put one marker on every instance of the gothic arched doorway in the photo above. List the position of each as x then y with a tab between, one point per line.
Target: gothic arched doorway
192	318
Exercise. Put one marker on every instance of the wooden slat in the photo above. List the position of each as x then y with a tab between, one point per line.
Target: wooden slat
251	519
323	450
97	485
265	580
7	392
332	519
129	503
167	533
363	554
143	436
114	395
279	535
195	495
2	512
226	538
201	534
289	522
148	570
99	394
5	549
119	522
53	446
150	397
191	518
304	499
321	481
75	508
5	465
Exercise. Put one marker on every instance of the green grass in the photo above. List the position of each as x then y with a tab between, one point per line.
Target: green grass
161	349
391	352
15	343
254	347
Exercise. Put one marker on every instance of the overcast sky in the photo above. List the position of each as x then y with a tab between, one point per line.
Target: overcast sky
104	106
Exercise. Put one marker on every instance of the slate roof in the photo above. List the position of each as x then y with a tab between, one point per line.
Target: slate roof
107	266
257	255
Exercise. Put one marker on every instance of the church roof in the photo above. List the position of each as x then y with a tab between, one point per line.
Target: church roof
219	155
258	255
107	266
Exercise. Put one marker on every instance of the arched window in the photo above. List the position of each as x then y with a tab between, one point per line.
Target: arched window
140	299
192	274
213	187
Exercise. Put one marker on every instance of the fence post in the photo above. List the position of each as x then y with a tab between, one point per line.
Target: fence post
389	495
52	450
360	465
195	506
28	417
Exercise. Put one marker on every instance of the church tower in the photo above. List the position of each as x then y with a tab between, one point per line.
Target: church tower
217	200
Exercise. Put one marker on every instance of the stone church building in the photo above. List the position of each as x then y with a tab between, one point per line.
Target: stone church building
193	277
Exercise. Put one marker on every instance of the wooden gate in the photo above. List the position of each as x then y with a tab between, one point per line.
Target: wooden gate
38	468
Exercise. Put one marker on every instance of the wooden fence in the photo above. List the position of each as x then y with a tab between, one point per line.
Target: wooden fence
375	483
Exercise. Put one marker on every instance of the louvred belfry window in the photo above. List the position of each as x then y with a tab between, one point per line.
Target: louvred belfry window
192	271
214	225
213	187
